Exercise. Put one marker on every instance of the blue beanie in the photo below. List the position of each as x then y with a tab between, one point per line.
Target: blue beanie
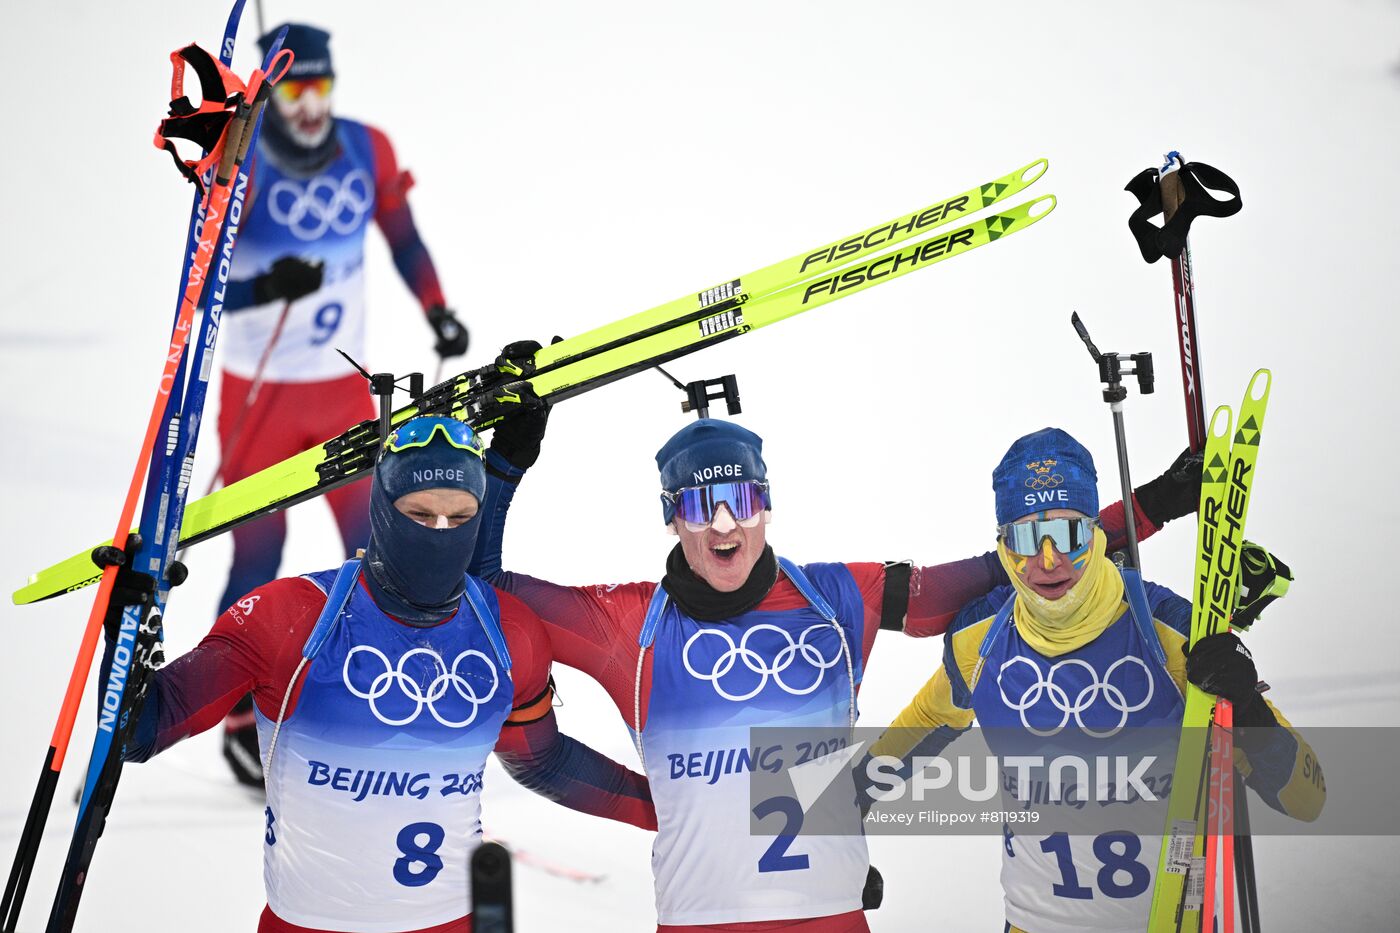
311	50
708	451
437	465
1042	471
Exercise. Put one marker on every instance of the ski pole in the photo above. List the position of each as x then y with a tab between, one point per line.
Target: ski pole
104	767
40	805
1177	185
1111	373
235	433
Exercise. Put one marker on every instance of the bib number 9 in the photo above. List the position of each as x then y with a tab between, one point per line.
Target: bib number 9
420	862
326	322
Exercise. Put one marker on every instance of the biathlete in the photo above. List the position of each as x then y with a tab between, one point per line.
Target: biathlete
379	691
1075	651
296	296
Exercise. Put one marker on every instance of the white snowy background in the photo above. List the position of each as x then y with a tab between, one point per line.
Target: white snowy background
577	162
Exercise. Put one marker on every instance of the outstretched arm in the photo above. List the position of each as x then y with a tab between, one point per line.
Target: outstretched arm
937	593
583	622
253	647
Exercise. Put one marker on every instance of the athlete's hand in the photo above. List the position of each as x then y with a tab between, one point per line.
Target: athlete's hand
290	278
518	438
1222	665
1176	492
874	893
451	333
131	587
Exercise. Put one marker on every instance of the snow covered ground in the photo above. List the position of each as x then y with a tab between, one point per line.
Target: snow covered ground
577	162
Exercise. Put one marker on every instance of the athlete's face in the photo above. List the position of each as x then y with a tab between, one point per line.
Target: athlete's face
1050	573
723	553
305	106
438	508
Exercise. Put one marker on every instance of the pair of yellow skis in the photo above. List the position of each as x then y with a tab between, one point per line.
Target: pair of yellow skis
808	280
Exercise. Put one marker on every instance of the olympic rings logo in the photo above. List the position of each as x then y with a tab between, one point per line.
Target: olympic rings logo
408	685
1045	685
1044	482
755	662
325	204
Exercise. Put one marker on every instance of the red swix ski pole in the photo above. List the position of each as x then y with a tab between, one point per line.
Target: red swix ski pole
235	433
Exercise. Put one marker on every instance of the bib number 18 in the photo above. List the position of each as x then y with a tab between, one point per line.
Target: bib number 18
1117	853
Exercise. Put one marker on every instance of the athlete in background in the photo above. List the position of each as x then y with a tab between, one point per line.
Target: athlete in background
297	295
374	747
732	638
1022	659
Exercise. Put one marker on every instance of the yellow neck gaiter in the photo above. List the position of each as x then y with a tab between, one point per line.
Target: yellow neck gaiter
1058	626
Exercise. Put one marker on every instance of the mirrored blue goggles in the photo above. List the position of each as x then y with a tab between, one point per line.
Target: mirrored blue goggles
698	505
419	432
1070	536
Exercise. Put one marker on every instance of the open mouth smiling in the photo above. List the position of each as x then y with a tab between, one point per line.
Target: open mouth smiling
725	550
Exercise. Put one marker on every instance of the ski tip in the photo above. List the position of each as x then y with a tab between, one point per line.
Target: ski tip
1031	173
25	594
1259	385
1220	422
1039	207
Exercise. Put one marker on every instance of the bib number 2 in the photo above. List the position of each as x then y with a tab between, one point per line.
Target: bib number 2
420	863
775	857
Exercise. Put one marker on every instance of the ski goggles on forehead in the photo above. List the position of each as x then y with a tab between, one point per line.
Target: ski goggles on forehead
697	506
1070	536
420	432
291	89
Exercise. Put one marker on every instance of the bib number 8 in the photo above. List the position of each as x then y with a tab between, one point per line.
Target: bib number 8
415	854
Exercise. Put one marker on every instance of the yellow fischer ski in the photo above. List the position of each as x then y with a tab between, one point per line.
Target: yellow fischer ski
1226	481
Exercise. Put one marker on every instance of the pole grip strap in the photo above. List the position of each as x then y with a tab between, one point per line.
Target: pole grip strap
1191	197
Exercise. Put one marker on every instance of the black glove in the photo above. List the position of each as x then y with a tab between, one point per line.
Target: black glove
290	278
519	436
241	744
1263	579
1222	665
1176	492
451	333
131	588
874	894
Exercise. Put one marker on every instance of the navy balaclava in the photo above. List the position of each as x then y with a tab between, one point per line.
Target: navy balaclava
416	574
